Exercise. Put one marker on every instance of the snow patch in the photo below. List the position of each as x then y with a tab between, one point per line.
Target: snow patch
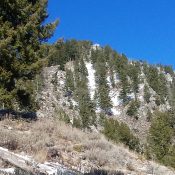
109	82
116	78
52	168
131	95
8	170
141	92
114	96
61	82
91	79
169	77
95	46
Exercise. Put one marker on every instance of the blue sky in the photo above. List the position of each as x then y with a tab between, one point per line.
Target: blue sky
142	29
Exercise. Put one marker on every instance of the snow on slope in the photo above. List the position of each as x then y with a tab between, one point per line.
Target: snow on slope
7	170
92	87
168	77
141	92
114	96
91	79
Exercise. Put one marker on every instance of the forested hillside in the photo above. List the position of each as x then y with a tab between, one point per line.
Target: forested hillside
86	86
129	101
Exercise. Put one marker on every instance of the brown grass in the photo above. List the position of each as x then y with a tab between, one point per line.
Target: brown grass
36	138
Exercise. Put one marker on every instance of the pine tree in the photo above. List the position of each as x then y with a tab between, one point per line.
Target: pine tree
133	108
160	135
133	73
121	66
157	82
86	107
101	80
147	94
21	36
69	81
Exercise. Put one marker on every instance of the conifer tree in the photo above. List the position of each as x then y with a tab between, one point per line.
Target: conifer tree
69	80
121	65
157	82
21	36
160	135
133	72
101	80
147	94
86	107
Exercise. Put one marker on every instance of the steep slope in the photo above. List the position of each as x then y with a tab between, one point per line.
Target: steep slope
134	107
74	150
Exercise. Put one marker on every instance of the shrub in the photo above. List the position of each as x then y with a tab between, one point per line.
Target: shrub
160	136
120	133
133	108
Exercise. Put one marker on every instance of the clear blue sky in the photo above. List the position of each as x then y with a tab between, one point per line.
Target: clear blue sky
142	29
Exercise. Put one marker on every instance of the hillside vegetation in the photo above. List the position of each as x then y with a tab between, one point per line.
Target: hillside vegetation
83	88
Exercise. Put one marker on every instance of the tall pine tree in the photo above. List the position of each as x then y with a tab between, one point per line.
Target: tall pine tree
22	33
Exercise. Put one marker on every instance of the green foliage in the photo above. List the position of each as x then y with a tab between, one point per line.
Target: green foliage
169	158
69	50
157	82
147	94
169	69
101	80
86	106
69	80
133	72
128	138
149	116
121	66
77	123
133	108
21	36
62	115
120	133
160	136
172	94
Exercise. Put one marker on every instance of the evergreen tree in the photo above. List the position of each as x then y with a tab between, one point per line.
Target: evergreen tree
147	94
133	108
160	135
121	66
157	82
21	36
169	69
69	81
120	133
133	73
101	80
86	107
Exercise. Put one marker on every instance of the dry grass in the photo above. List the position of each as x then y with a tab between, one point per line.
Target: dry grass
36	138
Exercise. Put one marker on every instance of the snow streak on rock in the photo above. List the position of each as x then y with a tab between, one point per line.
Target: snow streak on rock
114	96
91	79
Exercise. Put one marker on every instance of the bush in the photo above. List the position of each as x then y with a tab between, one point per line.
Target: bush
133	109
160	136
120	133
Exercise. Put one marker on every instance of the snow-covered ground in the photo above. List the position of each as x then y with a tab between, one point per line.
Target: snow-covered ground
92	87
91	79
7	170
114	96
141	92
169	77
